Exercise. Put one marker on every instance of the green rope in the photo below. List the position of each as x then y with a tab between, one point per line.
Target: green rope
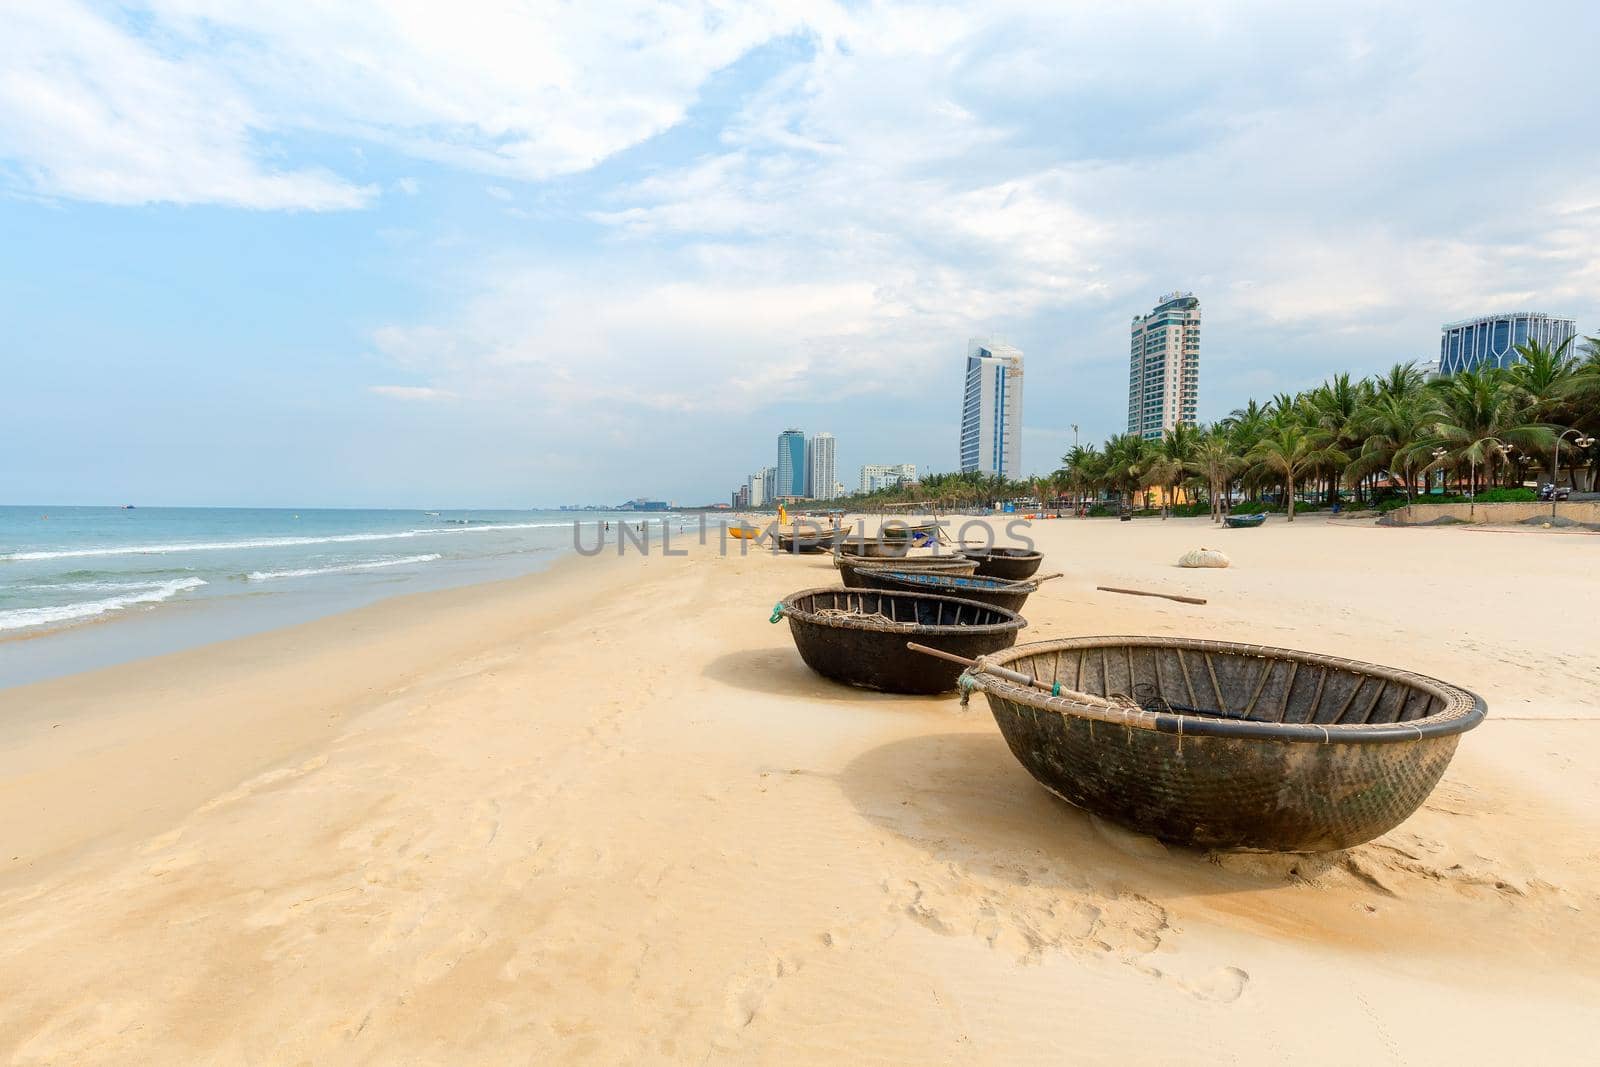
966	683
777	613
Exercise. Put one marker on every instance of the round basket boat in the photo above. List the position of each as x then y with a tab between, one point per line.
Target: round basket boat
1012	564
1227	745
858	636
850	568
996	592
873	548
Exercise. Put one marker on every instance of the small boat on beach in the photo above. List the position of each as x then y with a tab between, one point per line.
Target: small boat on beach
1243	522
898	531
1013	564
806	539
996	592
745	532
1224	745
858	636
851	567
873	548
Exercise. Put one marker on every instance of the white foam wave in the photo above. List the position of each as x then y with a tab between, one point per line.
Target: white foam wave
268	542
306	572
23	618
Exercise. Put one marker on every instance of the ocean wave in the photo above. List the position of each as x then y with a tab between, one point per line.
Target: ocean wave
267	542
23	618
306	572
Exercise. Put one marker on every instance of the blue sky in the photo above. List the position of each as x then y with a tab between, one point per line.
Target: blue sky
419	254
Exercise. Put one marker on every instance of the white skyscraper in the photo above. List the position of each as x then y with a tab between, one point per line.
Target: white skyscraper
1164	367
820	474
991	409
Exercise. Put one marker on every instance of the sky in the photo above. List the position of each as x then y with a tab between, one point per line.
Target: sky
517	254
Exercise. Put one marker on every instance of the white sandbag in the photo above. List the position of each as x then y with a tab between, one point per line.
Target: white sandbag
1204	557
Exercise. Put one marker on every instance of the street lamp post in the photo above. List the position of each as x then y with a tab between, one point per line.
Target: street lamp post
1581	441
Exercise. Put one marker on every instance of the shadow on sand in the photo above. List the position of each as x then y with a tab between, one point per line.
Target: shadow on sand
964	799
779	671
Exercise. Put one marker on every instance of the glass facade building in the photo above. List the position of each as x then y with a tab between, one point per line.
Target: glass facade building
1164	367
791	463
991	410
1493	339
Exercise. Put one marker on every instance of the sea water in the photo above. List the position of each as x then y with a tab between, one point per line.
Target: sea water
86	587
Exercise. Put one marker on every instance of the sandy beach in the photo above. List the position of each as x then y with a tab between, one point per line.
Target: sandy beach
605	814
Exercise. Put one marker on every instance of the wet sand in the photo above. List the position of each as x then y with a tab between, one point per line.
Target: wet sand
605	813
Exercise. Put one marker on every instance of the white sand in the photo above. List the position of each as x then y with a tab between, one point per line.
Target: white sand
607	815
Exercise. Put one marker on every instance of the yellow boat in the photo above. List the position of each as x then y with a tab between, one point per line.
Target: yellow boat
744	533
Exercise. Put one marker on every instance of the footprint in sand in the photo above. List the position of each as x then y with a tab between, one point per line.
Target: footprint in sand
1223	985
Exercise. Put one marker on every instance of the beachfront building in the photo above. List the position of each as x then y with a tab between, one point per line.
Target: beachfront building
1164	367
875	476
991	409
763	486
741	497
820	474
1493	339
791	464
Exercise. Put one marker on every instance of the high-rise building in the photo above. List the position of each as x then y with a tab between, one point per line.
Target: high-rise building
1493	339
763	486
791	463
820	466
991	409
875	476
1164	367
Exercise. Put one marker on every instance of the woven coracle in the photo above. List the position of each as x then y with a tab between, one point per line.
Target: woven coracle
996	592
1226	745
1012	564
858	636
850	567
873	548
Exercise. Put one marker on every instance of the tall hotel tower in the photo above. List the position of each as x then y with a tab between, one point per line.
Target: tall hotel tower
991	409
791	464
821	472
1164	367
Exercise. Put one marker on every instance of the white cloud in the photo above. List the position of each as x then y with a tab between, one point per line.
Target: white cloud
1325	178
176	101
411	392
88	111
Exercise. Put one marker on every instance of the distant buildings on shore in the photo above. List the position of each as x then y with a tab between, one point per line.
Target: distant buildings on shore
1164	366
875	476
807	469
1493	339
991	409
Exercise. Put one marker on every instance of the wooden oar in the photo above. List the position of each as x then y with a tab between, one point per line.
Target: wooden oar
1053	688
1046	578
1141	592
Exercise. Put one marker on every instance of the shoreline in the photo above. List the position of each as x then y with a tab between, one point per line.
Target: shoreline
52	731
604	812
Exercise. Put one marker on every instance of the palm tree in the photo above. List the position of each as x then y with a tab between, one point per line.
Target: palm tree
1400	380
1081	467
1482	416
1171	462
1128	460
1335	406
1394	426
1214	459
1292	450
1543	376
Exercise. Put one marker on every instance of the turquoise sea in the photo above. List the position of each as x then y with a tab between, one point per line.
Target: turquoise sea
85	587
